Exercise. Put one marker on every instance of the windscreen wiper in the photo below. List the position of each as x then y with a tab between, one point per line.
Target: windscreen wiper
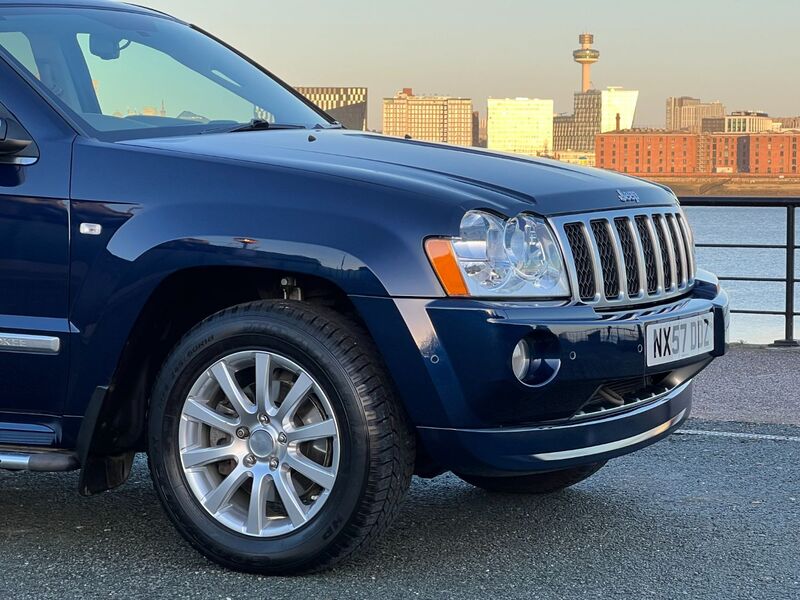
255	125
260	124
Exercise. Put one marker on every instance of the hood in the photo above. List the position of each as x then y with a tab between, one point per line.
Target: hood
553	187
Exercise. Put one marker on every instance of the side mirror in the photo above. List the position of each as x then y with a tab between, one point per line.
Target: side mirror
3	129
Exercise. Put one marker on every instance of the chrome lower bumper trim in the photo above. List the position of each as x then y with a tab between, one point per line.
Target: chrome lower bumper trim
611	446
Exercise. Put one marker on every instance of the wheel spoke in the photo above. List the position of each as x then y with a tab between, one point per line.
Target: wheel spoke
316	431
291	501
263	379
323	476
198	411
293	399
257	511
199	457
227	383
221	495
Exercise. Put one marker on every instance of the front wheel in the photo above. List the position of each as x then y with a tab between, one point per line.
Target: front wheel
276	445
538	483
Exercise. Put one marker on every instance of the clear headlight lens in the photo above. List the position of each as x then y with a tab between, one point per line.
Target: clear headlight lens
519	257
533	252
480	252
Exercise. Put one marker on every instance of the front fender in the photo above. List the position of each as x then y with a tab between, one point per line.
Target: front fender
115	273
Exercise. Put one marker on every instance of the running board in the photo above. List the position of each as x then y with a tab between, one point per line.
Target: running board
40	461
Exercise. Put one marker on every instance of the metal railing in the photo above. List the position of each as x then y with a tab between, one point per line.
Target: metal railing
790	277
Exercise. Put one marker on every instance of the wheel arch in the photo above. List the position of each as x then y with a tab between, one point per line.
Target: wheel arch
114	424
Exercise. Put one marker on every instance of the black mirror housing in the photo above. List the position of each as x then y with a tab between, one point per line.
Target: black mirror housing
105	47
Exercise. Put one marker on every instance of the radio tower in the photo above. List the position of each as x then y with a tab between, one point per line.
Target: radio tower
586	56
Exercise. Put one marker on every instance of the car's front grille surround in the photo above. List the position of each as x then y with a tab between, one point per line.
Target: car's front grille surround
627	257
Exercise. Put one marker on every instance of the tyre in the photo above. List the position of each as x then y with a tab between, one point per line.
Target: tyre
276	445
538	483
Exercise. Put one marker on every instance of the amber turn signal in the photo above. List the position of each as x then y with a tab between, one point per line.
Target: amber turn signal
440	253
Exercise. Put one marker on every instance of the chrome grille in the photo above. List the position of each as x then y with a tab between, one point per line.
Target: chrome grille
627	257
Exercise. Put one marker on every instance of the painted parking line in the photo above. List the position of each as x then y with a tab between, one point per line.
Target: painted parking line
738	435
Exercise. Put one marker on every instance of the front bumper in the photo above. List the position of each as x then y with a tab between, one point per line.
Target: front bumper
509	450
451	362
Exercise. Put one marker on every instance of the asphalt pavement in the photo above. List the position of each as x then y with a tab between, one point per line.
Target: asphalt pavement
713	512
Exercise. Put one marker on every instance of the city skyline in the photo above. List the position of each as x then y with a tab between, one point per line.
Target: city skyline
522	49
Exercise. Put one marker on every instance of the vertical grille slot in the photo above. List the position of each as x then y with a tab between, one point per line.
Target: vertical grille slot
582	255
687	239
608	262
666	259
649	254
680	254
628	254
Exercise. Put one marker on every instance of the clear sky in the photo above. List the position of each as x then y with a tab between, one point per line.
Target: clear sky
743	53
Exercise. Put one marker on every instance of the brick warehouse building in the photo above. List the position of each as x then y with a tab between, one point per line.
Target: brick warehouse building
654	153
772	154
651	152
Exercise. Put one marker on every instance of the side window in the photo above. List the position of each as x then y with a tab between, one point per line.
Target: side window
18	46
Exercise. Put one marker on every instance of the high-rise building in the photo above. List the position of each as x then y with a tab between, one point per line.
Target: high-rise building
348	105
520	125
595	111
686	113
430	118
476	128
674	106
749	121
692	115
483	132
577	131
619	108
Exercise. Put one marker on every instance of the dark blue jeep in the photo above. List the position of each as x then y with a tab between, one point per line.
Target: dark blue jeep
291	318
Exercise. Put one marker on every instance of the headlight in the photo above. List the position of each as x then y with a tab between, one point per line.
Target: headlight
494	257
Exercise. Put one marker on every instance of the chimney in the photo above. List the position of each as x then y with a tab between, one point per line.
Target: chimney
618	120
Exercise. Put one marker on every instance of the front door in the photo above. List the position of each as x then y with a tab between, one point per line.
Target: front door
34	258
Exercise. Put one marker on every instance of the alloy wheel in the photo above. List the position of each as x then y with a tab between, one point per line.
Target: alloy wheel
259	443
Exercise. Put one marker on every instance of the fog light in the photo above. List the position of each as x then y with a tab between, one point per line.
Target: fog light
521	360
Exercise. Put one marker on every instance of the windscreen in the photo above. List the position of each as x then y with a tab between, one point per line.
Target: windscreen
129	75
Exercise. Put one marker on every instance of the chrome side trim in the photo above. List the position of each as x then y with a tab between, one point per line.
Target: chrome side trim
14	462
611	446
36	344
22	161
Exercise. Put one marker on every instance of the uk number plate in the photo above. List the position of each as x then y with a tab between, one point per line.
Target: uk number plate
672	341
